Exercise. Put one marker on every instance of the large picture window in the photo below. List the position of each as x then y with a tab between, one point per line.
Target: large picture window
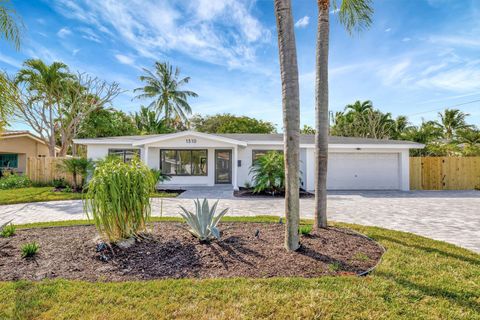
183	162
8	160
125	154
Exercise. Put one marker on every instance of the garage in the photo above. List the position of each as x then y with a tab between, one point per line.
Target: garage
364	171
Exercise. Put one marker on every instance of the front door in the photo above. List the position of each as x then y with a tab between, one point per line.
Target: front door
223	166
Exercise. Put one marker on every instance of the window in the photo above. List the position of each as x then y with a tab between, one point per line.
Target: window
125	154
260	153
183	162
8	160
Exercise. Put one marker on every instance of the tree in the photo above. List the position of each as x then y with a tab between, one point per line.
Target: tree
452	120
470	140
147	122
7	100
41	97
353	14
9	24
76	166
428	132
106	122
307	130
229	123
360	107
164	86
291	118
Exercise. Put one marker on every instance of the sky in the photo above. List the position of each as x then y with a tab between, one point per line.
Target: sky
417	58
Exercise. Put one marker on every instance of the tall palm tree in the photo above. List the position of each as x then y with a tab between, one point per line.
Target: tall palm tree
359	106
291	118
452	120
46	83
9	24
354	15
147	122
163	85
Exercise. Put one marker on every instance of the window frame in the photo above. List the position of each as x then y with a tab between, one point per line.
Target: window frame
191	163
124	152
11	155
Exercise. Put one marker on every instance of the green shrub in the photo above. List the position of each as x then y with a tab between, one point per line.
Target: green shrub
30	249
59	183
7	230
203	223
118	198
13	181
305	229
158	176
76	167
268	173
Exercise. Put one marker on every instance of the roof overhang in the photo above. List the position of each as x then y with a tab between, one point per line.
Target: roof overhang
186	134
27	135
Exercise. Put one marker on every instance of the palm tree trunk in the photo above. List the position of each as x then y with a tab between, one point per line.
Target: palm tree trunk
321	115
291	119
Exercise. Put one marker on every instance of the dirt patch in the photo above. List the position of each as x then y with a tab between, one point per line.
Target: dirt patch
171	252
248	192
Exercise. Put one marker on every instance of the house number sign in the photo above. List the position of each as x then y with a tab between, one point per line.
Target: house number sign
191	140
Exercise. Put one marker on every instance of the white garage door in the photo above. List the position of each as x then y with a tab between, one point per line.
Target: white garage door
363	171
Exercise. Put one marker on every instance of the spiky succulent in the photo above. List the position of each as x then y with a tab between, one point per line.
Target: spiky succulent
203	223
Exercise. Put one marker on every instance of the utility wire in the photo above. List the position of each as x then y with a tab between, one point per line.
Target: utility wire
448	107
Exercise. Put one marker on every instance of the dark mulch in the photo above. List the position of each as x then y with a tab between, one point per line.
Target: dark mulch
171	252
248	192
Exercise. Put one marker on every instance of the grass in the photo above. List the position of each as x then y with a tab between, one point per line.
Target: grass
36	194
418	278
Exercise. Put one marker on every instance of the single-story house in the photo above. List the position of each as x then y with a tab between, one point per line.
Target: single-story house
17	146
194	158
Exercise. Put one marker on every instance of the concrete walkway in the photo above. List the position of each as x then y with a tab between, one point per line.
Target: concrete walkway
452	216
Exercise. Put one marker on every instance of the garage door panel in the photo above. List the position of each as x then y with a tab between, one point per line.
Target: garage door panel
363	171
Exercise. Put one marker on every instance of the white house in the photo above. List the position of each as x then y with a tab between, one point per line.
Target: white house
193	158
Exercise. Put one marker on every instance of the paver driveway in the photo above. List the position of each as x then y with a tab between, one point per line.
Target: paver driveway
452	216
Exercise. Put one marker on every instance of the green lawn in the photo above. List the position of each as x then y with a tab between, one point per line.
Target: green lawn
36	194
418	278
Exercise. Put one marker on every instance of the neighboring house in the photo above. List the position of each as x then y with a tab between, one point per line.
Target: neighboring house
193	158
17	146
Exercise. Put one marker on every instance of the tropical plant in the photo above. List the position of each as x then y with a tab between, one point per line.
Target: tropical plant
305	230
118	198
76	167
107	122
229	123
59	183
354	15
158	176
450	121
268	173
203	223
307	130
7	230
147	122
30	249
7	100
164	87
14	181
9	24
291	118
359	106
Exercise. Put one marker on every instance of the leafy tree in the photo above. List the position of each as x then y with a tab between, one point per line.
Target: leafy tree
147	122
107	122
307	130
229	123
291	118
452	120
42	95
268	173
164	87
470	140
354	15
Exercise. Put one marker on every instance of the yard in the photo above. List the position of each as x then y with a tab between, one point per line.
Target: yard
417	278
37	194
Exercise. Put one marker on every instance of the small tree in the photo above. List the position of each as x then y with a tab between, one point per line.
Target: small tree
118	198
77	166
268	173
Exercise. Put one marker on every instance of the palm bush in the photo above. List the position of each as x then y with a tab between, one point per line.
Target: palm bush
118	198
76	167
203	223
268	173
158	176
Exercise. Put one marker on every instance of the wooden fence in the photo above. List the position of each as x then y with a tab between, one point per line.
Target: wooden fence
46	169
444	173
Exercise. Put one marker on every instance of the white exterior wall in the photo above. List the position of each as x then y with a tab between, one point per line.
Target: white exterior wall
100	151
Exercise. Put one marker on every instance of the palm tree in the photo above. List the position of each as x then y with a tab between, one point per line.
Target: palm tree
359	107
163	86
9	24
354	15
46	82
291	118
452	120
147	122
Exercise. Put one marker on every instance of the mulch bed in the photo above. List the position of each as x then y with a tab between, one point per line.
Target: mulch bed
172	252
248	193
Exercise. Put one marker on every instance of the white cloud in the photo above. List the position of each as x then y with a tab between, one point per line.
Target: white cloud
392	74
222	32
335	11
302	22
64	32
10	61
125	59
388	29
89	34
462	41
406	39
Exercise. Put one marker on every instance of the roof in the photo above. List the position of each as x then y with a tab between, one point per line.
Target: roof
247	138
23	133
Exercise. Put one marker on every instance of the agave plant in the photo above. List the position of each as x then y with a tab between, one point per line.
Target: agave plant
203	223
